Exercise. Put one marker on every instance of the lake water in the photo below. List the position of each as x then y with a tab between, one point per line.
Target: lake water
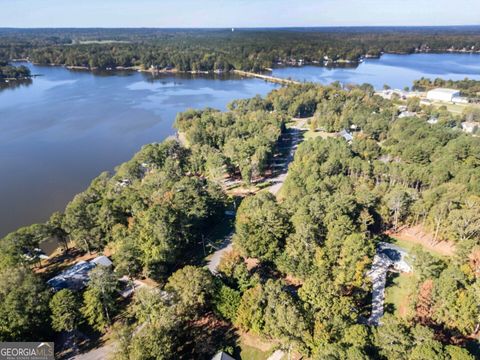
397	71
66	127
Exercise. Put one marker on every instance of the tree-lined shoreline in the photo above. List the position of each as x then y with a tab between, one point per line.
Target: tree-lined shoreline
222	50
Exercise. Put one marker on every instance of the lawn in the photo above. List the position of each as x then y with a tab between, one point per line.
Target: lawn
313	134
454	108
399	286
252	347
251	353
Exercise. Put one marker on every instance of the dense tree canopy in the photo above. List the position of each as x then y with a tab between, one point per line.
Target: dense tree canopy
222	49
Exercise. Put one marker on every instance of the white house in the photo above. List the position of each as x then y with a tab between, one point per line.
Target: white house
443	94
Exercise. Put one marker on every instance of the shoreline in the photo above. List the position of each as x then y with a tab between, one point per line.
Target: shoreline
328	63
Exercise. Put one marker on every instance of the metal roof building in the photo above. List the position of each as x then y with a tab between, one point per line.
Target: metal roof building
442	94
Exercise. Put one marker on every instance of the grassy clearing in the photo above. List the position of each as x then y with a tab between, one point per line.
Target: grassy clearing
397	292
252	347
251	353
313	134
455	108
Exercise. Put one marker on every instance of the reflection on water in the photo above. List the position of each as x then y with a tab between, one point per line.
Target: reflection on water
66	127
12	84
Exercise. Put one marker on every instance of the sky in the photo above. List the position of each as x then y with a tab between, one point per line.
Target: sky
236	13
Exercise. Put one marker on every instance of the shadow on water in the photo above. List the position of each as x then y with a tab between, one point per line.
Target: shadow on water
13	84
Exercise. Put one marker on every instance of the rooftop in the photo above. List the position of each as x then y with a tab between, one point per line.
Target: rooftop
222	356
445	91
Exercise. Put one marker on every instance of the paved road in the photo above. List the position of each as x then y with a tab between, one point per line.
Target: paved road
295	136
296	139
217	255
102	353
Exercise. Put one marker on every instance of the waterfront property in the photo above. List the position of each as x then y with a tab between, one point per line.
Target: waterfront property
76	277
65	127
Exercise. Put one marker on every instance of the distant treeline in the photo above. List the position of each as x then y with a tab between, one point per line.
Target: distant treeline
223	50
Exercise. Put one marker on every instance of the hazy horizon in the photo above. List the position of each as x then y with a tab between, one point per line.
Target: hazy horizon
248	27
238	13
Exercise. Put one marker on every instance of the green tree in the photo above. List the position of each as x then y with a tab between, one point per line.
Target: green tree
425	264
398	201
23	306
55	228
458	353
261	227
65	308
192	289
226	302
127	254
283	316
251	310
99	298
393	338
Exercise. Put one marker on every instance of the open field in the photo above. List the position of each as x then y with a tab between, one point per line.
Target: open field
456	109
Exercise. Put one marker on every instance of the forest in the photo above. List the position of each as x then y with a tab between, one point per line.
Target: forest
297	272
224	50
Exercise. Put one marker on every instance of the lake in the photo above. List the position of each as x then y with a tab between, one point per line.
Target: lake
397	71
66	127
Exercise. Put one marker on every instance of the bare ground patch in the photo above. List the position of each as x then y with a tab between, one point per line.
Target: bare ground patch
417	235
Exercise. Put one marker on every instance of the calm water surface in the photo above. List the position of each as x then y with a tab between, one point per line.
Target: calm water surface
66	127
397	71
